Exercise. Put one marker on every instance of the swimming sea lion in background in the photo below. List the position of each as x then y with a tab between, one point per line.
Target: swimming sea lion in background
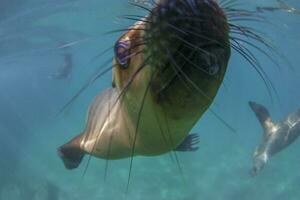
65	69
282	6
276	137
167	70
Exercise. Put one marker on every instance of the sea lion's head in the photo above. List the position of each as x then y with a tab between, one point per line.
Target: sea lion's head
259	162
178	53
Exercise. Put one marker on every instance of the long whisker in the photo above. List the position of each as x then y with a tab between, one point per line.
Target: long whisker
108	154
257	48
163	134
254	64
86	85
136	131
142	7
172	143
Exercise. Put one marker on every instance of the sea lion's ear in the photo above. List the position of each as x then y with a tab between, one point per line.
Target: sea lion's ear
122	52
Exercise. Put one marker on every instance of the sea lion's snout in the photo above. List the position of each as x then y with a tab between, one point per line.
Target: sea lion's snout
188	45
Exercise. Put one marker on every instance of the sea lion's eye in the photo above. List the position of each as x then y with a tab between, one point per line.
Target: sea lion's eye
122	52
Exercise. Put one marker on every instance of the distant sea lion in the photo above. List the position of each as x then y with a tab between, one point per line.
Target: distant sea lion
167	70
65	69
282	6
276	137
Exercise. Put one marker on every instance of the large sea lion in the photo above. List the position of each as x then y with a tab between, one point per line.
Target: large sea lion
167	70
276	136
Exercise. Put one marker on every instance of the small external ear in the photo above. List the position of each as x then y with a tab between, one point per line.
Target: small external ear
122	52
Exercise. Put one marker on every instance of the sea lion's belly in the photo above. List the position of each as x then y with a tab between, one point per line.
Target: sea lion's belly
107	133
157	132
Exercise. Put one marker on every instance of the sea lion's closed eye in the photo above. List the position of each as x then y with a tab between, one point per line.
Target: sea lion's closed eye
122	53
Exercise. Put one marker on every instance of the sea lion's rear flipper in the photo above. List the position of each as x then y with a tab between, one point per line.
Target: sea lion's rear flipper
263	116
189	143
71	153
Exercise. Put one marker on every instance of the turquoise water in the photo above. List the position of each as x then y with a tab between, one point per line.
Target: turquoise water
31	32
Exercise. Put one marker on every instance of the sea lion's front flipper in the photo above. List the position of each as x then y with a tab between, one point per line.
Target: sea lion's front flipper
263	116
71	153
189	143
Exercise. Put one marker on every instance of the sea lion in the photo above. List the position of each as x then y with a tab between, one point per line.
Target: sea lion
65	69
282	6
167	70
276	137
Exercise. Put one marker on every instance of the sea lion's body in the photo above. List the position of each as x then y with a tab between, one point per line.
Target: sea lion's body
276	137
158	95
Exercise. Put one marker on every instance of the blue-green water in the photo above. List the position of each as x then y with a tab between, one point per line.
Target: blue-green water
31	31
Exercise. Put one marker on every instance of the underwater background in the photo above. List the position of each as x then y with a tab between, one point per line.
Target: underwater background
33	34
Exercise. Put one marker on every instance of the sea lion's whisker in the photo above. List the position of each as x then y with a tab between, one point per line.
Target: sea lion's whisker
234	14
163	135
189	60
244	31
136	130
239	11
192	46
229	4
108	151
196	66
243	28
124	30
190	31
173	18
172	142
250	58
142	7
101	54
257	48
135	19
177	74
184	75
249	34
255	66
247	19
86	85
